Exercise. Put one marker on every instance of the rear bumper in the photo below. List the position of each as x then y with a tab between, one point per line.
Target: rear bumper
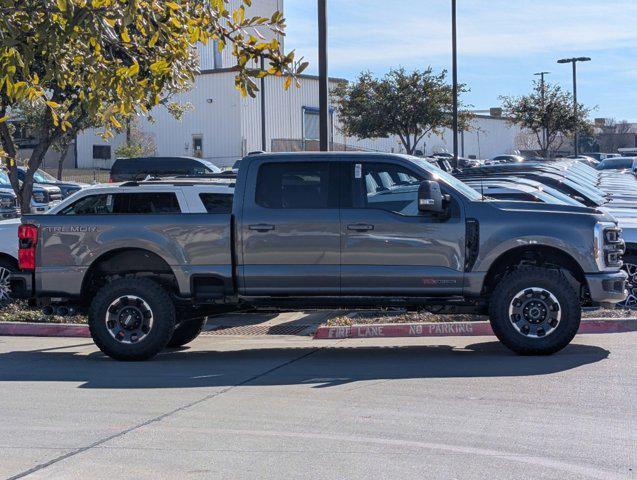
22	285
607	287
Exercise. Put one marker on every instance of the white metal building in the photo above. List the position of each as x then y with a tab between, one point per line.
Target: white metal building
223	126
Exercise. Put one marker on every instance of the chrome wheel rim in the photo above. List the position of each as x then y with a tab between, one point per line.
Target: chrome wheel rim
535	312
129	319
631	286
5	285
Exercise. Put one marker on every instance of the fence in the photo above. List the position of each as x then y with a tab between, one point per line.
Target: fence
81	175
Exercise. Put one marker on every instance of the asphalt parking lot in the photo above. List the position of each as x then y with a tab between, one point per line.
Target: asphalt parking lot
291	407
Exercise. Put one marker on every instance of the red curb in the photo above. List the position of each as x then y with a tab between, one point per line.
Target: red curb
44	330
449	329
453	329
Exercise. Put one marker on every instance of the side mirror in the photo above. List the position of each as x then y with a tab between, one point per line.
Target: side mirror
430	198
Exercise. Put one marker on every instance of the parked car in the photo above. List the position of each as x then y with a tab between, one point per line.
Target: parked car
127	169
44	196
9	206
617	163
601	156
42	178
508	158
8	257
316	230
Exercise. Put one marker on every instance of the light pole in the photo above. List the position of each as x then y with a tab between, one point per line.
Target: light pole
264	144
323	79
454	69
545	133
575	106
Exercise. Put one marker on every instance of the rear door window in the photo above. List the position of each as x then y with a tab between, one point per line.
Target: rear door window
301	185
146	203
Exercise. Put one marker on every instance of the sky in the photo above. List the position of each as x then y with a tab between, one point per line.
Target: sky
501	44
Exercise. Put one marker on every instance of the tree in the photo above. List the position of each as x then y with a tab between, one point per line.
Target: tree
137	144
407	105
550	110
102	61
34	117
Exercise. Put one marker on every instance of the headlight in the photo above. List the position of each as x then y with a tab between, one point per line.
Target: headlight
608	246
39	197
7	202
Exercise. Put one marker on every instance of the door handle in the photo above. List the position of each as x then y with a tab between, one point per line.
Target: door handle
262	227
361	227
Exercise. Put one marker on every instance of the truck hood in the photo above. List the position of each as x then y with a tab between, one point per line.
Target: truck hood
542	207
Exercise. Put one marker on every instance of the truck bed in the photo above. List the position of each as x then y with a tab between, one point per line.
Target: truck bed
193	245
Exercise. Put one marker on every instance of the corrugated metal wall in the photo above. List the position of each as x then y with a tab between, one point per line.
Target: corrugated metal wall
215	118
230	126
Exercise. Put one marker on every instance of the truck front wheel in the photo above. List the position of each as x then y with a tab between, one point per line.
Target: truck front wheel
132	319
535	311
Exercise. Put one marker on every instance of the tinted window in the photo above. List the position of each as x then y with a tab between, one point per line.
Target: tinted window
295	185
124	203
217	202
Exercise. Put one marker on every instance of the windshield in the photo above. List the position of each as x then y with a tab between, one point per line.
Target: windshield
446	178
41	176
211	166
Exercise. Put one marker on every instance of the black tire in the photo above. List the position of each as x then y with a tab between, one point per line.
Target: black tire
110	305
186	332
7	267
534	295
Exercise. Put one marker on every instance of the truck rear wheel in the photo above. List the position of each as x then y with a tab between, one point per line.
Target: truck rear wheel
535	311
132	319
6	269
186	332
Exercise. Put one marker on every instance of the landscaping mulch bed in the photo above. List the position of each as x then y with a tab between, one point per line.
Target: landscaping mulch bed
21	312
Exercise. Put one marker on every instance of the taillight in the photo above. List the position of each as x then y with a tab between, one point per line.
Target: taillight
110	180
27	238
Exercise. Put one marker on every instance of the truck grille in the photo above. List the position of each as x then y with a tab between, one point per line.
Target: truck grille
54	196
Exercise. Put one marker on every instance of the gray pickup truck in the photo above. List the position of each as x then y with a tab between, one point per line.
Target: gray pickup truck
319	230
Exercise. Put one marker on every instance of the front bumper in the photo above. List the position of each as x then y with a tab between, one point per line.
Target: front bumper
607	287
21	285
6	213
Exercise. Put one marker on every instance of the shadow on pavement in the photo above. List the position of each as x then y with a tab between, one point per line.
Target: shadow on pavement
318	367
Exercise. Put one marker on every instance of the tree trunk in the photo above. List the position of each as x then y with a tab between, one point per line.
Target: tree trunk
63	153
27	185
12	153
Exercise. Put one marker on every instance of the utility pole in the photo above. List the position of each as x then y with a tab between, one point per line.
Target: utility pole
575	105
545	130
454	48
323	79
